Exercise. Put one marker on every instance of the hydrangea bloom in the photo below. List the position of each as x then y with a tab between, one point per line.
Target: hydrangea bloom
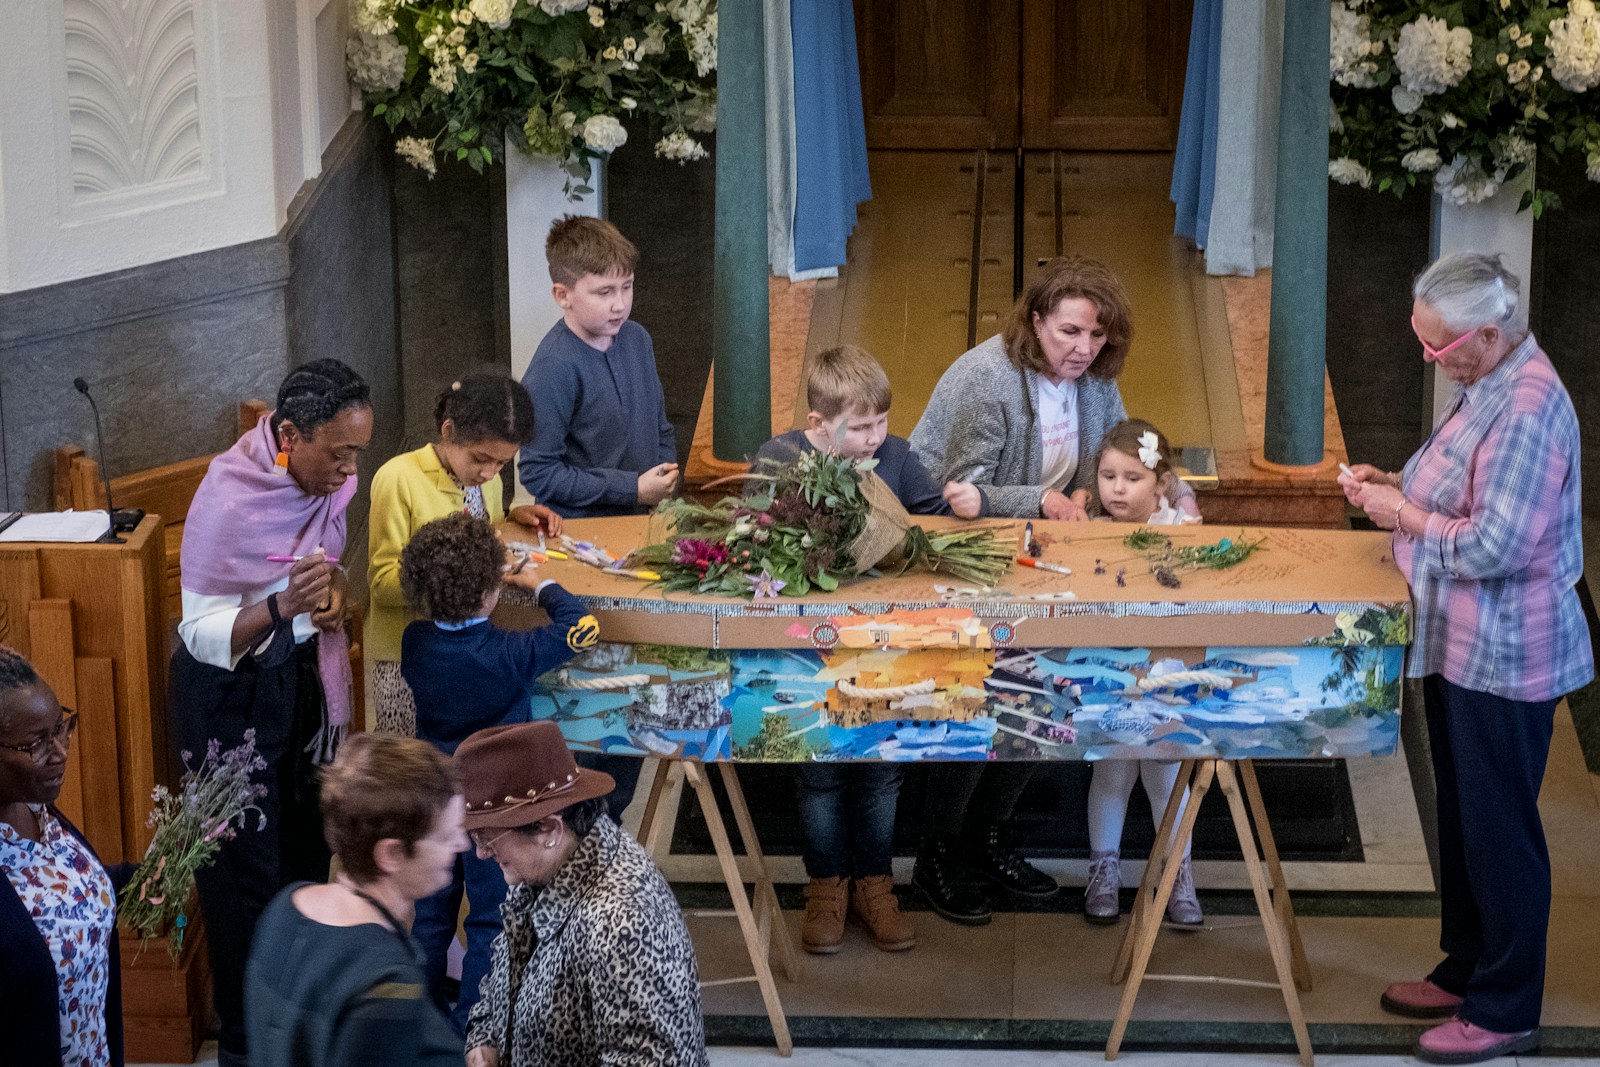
372	16
1515	149
1347	171
1463	181
375	61
1350	49
1431	56
603	134
1575	47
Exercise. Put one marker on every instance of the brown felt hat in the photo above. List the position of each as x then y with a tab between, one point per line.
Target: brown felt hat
516	775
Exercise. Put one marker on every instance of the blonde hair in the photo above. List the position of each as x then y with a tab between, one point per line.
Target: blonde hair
580	245
1065	278
1124	437
847	378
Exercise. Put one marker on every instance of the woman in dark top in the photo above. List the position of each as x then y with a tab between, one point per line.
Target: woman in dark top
60	989
334	979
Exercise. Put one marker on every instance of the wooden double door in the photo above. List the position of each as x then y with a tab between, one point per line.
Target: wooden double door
1087	75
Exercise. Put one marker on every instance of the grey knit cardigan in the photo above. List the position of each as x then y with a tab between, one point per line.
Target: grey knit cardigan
982	415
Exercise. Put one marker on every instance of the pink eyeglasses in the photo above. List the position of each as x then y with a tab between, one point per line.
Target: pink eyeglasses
1434	353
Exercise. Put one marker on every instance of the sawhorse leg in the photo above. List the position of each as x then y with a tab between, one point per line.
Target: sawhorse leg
758	933
1141	937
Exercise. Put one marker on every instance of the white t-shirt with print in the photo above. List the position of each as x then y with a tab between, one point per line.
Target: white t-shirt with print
1058	425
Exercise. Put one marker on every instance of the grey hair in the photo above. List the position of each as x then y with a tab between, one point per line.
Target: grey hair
1472	289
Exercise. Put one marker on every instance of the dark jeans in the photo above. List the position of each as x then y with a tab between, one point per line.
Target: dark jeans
847	811
283	704
1489	756
625	769
966	798
434	927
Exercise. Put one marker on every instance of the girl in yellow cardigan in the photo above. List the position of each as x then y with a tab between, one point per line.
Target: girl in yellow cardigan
484	419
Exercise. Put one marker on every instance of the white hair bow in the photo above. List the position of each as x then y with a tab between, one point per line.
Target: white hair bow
1149	453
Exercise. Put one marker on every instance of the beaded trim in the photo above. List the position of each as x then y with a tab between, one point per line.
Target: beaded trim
552	789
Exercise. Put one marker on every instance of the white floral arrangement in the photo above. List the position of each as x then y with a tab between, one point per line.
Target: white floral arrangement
566	78
1462	97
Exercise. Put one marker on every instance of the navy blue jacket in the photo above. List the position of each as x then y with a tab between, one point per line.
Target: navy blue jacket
481	676
898	466
30	989
599	421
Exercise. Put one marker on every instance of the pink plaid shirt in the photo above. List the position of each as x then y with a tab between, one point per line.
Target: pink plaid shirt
1493	576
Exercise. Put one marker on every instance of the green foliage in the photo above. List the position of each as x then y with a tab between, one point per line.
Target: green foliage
774	743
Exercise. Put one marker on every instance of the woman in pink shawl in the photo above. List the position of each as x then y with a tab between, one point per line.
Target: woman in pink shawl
263	645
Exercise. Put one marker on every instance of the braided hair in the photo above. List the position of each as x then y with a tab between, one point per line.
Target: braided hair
15	673
315	393
486	406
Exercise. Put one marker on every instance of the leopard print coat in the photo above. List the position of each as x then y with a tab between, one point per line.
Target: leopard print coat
597	968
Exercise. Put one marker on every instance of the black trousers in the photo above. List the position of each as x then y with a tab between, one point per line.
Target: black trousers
283	704
966	798
1489	756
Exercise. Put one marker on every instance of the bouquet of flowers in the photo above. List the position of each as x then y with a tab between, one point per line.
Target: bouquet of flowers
189	825
812	523
1462	96
558	77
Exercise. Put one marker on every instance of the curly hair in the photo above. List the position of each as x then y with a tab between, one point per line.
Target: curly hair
315	393
486	406
1065	278
450	566
15	673
382	786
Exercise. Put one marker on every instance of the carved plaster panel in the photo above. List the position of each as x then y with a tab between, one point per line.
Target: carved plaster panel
133	96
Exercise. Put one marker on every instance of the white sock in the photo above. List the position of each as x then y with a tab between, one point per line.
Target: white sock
1110	785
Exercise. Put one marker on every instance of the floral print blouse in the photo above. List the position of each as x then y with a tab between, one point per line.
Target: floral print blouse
69	895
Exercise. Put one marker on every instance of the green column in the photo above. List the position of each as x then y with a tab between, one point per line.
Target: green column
740	342
1297	339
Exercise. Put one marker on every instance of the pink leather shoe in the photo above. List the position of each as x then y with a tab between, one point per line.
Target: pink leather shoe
1458	1041
1419	1000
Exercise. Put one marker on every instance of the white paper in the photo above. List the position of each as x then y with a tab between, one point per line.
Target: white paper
80	526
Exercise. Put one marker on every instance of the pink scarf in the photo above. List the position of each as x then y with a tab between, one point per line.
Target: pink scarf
247	509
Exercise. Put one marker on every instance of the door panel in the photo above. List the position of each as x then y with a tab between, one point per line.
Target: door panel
1103	75
939	73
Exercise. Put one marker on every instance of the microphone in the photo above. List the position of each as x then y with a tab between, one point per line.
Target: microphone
127	519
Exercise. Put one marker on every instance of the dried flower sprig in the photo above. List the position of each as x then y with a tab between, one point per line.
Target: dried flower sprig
213	803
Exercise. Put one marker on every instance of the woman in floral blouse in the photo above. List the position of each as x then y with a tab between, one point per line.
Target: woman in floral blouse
59	984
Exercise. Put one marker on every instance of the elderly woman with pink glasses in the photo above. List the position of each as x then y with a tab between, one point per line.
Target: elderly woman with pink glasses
1487	529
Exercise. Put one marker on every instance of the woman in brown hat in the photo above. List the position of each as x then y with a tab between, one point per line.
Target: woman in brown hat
594	965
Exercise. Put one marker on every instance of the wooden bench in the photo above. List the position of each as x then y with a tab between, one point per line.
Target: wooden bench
168	491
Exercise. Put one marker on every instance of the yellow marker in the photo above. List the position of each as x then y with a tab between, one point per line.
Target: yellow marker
556	554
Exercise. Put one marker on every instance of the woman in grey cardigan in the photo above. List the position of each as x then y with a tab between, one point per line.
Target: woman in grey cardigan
1020	416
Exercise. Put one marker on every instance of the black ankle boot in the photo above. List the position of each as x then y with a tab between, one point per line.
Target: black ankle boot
939	875
1003	865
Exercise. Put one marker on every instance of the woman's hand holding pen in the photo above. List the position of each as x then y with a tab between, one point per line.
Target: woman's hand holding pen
310	588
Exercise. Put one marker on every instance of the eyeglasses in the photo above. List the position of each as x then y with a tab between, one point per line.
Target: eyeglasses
61	735
487	843
1434	353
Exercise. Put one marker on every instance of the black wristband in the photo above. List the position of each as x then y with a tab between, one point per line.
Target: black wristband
272	609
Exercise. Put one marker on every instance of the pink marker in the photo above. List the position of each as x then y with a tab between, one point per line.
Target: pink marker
297	559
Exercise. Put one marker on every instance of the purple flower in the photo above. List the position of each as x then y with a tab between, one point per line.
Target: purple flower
764	585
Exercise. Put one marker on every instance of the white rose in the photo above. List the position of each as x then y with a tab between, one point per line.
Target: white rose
1347	171
1421	160
1406	101
493	13
1431	56
628	103
1449	121
603	134
1518	71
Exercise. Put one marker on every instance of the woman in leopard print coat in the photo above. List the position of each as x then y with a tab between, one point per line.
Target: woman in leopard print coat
594	965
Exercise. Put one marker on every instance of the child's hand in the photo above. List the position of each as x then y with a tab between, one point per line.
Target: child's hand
657	483
538	517
524	577
964	499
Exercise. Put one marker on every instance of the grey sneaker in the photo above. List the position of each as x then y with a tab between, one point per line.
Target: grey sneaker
1183	907
1101	905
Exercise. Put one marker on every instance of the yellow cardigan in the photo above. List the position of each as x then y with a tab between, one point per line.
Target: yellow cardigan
409	491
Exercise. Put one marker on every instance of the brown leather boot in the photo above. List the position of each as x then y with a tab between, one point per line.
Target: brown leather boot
822	932
873	903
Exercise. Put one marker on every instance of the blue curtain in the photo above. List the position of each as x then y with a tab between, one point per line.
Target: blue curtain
1194	166
830	136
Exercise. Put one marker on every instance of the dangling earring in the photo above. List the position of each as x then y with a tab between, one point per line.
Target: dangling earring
282	462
